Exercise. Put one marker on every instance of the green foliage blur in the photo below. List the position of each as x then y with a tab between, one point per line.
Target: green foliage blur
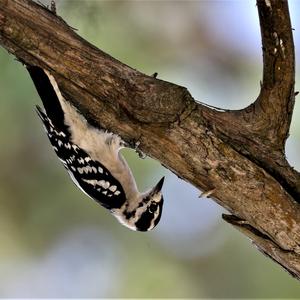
55	242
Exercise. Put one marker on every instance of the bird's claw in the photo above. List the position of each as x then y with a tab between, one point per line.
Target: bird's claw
208	193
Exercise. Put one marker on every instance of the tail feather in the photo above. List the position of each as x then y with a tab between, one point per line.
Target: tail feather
40	112
48	96
48	126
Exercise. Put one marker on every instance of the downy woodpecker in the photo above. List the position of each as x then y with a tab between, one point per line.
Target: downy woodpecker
93	160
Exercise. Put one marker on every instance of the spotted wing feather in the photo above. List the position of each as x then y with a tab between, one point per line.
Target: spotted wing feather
89	175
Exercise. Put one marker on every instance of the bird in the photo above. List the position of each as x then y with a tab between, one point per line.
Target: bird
92	158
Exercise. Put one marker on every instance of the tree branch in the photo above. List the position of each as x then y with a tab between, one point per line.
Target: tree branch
259	131
276	100
239	154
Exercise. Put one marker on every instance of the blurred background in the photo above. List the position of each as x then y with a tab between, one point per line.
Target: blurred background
55	242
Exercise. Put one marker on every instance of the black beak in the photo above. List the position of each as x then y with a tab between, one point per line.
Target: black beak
158	187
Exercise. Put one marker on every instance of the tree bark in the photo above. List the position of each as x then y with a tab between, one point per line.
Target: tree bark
239	155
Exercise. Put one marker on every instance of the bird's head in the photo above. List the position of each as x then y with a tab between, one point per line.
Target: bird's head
146	213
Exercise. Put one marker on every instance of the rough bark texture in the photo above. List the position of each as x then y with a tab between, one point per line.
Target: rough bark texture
237	154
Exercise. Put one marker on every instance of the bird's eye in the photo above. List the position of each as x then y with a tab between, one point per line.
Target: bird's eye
153	207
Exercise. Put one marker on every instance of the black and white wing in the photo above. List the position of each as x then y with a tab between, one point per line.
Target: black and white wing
89	175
